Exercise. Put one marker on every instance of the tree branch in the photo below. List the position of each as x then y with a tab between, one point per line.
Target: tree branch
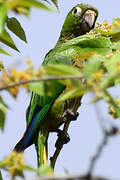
41	79
67	177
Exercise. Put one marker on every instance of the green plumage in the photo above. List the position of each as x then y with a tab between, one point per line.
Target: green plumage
44	112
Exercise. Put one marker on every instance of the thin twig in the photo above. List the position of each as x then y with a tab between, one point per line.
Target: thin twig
96	156
41	79
107	135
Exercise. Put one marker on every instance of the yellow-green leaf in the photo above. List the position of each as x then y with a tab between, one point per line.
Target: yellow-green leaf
61	69
1	176
48	88
84	45
111	64
55	3
3	109
2	51
77	92
45	170
92	66
14	26
27	3
6	39
1	66
3	15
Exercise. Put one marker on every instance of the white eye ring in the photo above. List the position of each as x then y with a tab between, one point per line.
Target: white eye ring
77	11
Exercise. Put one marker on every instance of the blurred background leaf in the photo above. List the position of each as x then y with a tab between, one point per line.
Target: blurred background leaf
14	25
3	110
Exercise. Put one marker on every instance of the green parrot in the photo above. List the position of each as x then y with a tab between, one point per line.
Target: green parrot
44	114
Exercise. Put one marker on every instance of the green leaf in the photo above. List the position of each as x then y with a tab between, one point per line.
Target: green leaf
3	109
112	101
61	69
92	66
77	92
57	59
112	63
2	164
115	30
14	25
109	80
114	33
43	88
27	3
48	88
115	37
1	66
45	170
1	176
28	168
85	51
2	51
116	45
115	19
6	39
3	15
55	3
83	44
37	87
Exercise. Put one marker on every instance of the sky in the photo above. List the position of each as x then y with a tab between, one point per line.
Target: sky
42	30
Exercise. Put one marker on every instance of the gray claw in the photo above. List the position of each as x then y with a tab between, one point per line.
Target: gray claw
68	115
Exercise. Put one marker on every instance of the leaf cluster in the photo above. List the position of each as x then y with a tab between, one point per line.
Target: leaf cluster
13	25
19	7
15	165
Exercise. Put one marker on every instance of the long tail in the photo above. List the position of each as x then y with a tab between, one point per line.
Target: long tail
40	141
42	147
32	130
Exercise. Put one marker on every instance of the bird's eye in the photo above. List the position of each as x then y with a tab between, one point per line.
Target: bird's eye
77	11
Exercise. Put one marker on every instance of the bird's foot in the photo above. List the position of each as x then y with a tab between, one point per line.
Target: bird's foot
63	138
68	115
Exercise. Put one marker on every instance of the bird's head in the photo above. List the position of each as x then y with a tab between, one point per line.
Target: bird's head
80	19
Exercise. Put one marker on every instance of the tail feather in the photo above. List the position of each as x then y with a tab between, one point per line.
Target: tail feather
41	147
20	146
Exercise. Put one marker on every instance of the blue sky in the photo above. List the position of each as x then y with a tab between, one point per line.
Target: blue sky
42	29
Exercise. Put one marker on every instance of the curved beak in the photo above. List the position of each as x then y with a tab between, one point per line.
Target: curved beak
89	20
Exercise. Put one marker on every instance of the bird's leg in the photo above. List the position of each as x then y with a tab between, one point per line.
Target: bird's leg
68	115
63	138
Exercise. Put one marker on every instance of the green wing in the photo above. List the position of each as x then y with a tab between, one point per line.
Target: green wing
41	105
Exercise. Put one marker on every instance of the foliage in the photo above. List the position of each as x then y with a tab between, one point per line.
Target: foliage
16	165
100	48
20	7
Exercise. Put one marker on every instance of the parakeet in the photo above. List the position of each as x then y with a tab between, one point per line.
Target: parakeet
44	114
